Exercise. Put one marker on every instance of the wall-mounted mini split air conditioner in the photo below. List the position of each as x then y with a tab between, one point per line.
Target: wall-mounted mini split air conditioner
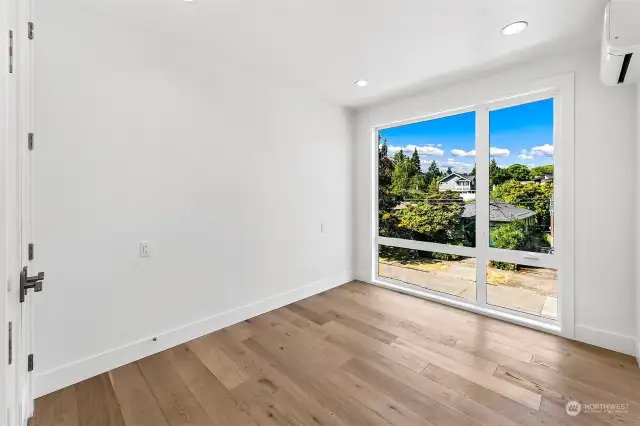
621	43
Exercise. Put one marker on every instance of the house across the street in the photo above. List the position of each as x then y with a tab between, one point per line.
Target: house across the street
547	178
464	184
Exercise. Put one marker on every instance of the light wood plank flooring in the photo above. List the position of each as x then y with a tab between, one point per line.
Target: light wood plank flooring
358	355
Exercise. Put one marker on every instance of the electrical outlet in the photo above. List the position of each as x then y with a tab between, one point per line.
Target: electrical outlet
144	249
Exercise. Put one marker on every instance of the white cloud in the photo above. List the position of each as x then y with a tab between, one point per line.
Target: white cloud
427	150
525	156
463	153
499	152
424	150
545	150
456	166
439	145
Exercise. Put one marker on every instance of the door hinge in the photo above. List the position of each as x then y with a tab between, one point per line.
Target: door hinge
30	362
10	342
30	251
30	139
30	31
10	52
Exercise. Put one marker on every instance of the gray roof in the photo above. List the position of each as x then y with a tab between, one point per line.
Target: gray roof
499	212
465	177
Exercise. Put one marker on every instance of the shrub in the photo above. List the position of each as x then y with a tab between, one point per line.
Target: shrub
510	236
436	219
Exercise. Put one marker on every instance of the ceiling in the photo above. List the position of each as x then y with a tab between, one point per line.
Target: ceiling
397	45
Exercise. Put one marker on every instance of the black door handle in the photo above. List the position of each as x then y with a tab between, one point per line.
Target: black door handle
27	283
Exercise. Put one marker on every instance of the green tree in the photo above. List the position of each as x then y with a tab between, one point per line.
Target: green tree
434	169
542	170
402	176
383	150
399	157
532	196
385	164
518	172
415	160
433	173
449	171
419	182
385	172
437	219
387	220
473	172
497	175
434	186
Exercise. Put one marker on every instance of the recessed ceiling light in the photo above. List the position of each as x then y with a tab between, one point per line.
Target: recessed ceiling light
361	83
514	28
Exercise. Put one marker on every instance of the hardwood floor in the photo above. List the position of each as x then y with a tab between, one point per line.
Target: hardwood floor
358	355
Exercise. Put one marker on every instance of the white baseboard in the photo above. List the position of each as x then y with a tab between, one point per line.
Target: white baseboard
606	339
638	353
66	375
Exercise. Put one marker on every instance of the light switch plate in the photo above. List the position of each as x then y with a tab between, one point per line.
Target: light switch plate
144	249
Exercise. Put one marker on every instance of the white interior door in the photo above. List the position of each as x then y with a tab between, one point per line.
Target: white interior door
11	261
22	281
26	149
15	124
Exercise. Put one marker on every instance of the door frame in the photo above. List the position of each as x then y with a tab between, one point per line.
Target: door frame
562	89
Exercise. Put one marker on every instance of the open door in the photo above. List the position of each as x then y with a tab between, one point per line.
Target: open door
21	283
30	282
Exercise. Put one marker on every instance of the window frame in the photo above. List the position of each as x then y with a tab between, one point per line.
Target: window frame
561	89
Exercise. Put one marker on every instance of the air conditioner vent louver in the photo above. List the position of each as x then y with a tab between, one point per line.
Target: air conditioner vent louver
620	40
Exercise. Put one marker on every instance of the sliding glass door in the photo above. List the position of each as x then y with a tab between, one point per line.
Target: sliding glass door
466	202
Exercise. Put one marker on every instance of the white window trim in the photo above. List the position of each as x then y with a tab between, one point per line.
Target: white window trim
562	89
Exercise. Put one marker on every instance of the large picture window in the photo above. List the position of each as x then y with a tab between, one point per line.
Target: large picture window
466	205
427	187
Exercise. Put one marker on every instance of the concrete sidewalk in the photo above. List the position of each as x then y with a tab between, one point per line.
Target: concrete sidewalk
455	279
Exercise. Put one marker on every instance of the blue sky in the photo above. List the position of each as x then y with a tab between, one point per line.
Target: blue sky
522	134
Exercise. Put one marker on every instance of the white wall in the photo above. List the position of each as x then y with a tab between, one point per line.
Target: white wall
227	176
605	153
